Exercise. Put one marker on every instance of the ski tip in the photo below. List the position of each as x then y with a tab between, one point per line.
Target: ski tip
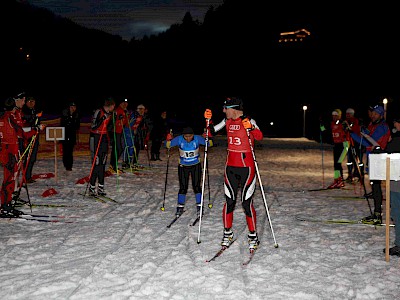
276	246
198	242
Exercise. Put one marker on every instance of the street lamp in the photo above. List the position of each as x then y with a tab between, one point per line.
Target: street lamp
304	120
385	101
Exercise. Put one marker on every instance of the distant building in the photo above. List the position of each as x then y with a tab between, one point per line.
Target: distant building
294	36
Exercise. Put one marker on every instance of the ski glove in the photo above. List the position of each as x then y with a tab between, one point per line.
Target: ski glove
169	137
247	124
208	114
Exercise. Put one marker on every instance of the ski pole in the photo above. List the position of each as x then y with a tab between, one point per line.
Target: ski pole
23	165
321	129
115	152
133	142
210	205
203	181
166	176
261	187
357	163
147	152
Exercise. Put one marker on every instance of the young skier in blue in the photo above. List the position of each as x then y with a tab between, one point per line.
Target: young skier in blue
189	165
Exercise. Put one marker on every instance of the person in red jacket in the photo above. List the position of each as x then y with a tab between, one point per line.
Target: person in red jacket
240	167
354	157
13	140
98	144
339	143
119	120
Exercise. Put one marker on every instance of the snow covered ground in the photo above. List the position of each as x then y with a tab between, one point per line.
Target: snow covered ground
126	251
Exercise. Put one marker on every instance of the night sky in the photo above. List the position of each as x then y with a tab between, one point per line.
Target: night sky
128	18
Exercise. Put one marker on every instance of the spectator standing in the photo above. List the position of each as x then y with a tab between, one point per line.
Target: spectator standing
240	168
31	122
98	144
71	121
158	134
137	135
393	146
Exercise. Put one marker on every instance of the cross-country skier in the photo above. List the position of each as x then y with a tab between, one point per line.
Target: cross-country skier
98	144
240	167
189	165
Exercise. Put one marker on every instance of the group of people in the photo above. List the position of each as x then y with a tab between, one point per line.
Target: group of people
345	147
127	132
19	129
21	125
130	132
352	140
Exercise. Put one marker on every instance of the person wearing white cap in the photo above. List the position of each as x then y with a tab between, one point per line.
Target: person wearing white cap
118	122
354	157
338	137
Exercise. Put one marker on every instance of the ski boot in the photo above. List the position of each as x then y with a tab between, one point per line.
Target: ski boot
8	211
227	238
198	210
375	219
179	210
253	241
92	191
100	191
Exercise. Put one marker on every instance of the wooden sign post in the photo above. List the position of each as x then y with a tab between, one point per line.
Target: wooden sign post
55	134
385	166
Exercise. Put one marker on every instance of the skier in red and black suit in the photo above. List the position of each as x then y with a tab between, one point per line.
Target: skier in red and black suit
339	139
99	143
354	158
118	122
13	140
240	167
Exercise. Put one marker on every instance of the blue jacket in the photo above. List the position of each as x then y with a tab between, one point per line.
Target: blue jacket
188	151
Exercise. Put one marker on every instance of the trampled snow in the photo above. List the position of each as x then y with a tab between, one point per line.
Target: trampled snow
126	251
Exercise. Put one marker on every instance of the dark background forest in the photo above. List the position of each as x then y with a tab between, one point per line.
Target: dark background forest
351	59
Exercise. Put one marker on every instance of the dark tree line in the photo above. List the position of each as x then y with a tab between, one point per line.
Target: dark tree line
350	59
